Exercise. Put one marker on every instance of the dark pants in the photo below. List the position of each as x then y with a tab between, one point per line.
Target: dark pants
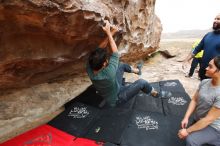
194	64
129	91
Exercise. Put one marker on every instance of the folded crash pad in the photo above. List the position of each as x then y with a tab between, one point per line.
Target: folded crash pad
44	135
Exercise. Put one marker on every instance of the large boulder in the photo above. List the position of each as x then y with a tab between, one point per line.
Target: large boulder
49	40
44	45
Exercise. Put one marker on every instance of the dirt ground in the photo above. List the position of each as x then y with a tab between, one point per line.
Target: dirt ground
157	67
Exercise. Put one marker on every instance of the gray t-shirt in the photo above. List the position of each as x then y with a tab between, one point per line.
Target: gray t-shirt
208	96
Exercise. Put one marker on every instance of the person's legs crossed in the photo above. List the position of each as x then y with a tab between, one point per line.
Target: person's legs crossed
207	135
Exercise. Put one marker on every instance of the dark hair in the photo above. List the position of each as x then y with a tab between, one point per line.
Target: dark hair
97	58
217	62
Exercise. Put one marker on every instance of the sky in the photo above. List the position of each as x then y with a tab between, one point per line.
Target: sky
178	15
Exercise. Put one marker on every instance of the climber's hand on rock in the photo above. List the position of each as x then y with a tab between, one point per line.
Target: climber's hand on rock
114	29
107	27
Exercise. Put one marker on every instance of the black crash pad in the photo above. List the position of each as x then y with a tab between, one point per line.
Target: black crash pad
139	122
76	120
109	144
133	123
110	126
146	102
127	105
177	104
89	97
172	86
152	129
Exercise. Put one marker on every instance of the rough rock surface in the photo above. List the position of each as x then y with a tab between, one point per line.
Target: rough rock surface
44	46
27	108
49	40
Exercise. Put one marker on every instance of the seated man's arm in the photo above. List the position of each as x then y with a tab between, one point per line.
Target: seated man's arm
212	115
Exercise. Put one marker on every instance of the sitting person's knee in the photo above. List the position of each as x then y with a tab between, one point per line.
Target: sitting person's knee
190	140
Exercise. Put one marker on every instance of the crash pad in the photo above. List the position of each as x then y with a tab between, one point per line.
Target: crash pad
76	119
44	135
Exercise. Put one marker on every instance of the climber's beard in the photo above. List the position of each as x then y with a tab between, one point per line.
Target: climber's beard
216	26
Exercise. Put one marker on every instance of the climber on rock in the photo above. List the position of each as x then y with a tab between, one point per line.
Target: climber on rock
107	74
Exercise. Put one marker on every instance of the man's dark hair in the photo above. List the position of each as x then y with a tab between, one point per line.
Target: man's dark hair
217	62
97	58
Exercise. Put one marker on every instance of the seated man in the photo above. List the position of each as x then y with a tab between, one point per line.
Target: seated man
205	105
107	75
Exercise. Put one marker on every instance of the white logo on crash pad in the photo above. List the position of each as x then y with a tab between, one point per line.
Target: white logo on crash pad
146	123
170	84
177	101
78	112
